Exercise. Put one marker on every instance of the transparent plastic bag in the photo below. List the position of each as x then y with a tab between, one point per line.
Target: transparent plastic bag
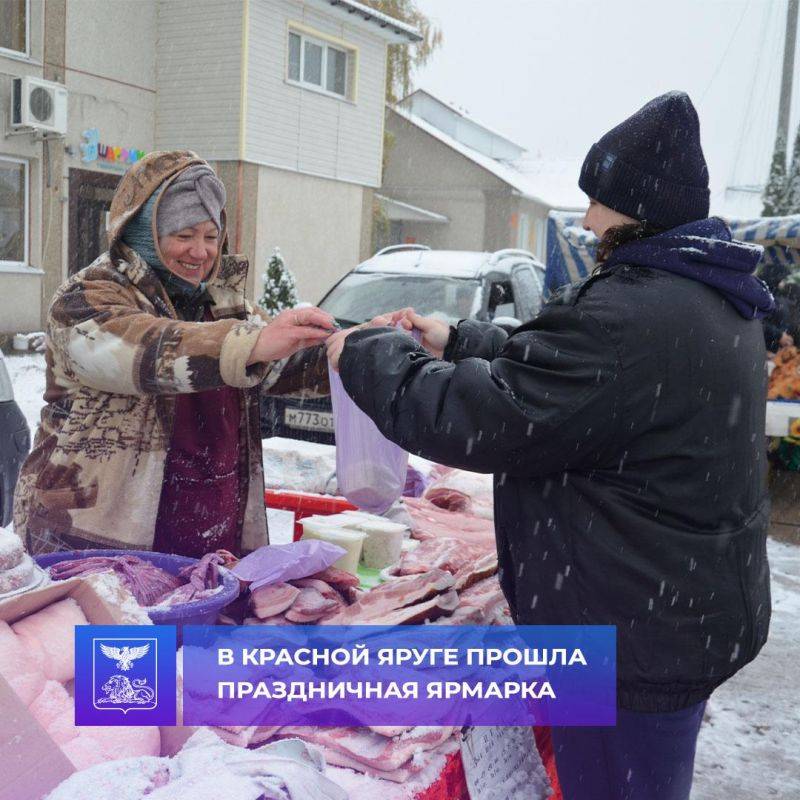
370	470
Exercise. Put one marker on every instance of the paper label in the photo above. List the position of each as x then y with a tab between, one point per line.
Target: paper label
503	764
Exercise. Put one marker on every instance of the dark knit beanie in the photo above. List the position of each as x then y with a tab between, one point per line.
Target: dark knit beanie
651	166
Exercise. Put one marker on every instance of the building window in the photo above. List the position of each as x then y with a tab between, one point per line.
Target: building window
13	212
14	25
524	232
317	64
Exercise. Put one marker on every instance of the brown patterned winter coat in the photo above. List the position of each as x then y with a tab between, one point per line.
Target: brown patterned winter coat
116	357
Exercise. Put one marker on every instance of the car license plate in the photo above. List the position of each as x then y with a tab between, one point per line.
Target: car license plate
309	420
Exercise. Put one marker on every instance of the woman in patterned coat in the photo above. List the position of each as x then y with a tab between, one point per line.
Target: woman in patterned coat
150	437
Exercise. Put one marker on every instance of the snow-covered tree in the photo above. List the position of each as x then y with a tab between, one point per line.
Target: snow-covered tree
775	191
280	288
792	194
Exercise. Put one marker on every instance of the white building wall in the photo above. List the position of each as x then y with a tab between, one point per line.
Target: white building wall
198	76
124	29
21	287
315	222
306	131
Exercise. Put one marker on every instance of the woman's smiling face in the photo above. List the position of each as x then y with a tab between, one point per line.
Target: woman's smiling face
190	253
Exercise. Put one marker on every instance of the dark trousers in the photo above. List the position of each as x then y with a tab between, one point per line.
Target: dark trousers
644	757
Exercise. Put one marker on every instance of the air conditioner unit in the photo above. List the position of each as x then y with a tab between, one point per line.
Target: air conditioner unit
39	105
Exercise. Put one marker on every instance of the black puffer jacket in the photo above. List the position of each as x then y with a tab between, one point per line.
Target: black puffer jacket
625	428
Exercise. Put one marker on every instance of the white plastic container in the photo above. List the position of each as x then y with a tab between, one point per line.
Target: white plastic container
350	539
383	543
20	341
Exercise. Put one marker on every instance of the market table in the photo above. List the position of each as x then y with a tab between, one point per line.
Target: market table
451	783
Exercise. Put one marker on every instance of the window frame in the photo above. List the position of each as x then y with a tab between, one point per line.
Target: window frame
16	265
350	54
26	53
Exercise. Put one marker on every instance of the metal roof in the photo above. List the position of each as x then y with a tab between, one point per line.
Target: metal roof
392	29
396	210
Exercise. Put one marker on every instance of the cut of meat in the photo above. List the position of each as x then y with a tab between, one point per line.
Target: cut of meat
268	601
390	731
49	636
442	553
327	591
463	491
476	571
438	606
336	577
309	606
392	595
430	522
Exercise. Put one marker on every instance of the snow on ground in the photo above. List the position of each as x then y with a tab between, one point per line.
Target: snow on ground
748	745
27	377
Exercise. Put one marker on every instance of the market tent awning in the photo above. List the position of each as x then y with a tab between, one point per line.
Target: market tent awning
571	250
404	212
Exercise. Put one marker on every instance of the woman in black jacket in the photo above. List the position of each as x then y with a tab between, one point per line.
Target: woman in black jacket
624	426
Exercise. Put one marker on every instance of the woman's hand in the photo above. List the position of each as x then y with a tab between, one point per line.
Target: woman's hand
290	331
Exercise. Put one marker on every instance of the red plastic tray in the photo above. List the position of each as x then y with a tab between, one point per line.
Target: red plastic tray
305	505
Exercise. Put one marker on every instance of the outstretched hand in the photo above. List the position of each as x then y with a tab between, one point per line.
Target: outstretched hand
290	331
435	333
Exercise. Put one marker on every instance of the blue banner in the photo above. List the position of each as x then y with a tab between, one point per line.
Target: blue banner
406	675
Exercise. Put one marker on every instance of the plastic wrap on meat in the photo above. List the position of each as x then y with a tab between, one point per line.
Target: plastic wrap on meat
202	581
371	750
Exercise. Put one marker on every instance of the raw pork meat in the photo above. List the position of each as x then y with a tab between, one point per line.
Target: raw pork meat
49	636
268	601
416	614
394	594
431	522
477	571
309	606
18	667
460	490
55	712
447	554
336	578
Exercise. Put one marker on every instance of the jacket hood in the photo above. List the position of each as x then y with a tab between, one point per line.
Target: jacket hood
704	251
155	170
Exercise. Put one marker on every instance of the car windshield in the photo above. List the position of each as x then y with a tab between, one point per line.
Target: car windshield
362	296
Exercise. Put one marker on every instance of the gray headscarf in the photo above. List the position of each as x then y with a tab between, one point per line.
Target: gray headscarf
196	195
